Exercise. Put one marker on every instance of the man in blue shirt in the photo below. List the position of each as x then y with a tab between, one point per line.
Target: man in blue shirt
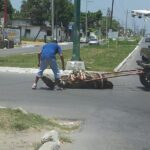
47	57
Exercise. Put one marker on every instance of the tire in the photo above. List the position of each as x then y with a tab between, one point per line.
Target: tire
145	79
144	59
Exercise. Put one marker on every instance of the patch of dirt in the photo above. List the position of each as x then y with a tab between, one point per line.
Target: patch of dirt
28	139
24	140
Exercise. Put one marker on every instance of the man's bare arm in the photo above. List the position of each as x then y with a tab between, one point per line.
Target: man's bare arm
39	58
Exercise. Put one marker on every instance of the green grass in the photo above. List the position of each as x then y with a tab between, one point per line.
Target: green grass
16	120
103	58
100	58
24	60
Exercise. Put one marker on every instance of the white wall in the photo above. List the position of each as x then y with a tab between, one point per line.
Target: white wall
31	32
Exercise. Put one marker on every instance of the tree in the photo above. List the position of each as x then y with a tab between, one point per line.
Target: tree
36	10
39	11
9	8
105	25
63	12
93	20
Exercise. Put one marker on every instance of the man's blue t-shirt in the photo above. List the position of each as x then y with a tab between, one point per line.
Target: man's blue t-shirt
50	50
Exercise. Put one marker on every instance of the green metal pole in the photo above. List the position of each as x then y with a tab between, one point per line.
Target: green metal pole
76	31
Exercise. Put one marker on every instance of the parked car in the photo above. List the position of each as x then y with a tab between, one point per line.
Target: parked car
93	42
83	40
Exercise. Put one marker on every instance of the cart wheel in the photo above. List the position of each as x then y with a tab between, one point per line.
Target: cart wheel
48	82
145	79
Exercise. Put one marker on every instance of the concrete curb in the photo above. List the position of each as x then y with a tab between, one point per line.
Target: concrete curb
18	70
125	60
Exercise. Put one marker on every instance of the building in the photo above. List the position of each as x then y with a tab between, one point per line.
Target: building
29	31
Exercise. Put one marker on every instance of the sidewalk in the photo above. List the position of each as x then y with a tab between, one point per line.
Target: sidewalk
37	43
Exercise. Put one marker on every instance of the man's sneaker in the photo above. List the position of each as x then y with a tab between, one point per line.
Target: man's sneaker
58	88
34	86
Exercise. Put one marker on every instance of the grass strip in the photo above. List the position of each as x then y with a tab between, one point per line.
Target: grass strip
16	120
100	58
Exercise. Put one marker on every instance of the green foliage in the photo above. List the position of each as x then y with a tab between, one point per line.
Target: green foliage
39	11
63	12
103	57
17	120
36	10
115	25
104	25
9	8
21	60
100	58
1	5
93	19
97	21
126	42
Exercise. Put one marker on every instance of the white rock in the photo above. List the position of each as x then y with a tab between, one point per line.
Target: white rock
50	141
50	136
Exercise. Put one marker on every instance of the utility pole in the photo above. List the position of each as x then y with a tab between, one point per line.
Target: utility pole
86	18
52	18
86	21
111	17
76	31
106	25
76	63
126	25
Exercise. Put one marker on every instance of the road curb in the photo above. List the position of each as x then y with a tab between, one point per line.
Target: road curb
118	68
18	70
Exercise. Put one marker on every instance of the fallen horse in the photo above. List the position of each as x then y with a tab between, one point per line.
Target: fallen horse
81	79
96	80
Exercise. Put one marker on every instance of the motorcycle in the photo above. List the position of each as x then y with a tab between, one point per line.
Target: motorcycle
145	75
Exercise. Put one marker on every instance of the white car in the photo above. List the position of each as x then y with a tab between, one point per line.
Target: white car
83	40
93	42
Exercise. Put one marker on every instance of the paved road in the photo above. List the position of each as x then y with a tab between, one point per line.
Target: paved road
112	119
130	63
117	119
30	49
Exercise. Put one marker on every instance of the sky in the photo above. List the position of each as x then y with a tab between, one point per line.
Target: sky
122	10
